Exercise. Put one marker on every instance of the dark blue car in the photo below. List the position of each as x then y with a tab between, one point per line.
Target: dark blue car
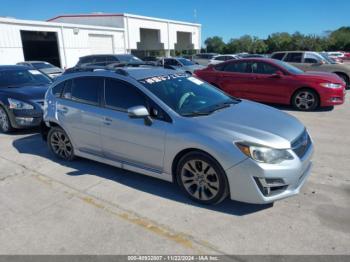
22	92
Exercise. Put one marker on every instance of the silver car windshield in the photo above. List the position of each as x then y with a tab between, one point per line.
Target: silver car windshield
187	95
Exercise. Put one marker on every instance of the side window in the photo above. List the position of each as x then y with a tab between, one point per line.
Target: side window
294	57
310	58
310	61
278	56
263	68
112	59
67	92
99	60
221	58
171	62
86	89
121	96
156	112
237	67
57	89
85	60
220	67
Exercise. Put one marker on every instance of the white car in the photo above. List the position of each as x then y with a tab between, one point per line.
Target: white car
222	58
336	54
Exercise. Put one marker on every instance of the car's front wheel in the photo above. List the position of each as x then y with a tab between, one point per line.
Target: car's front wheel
305	100
202	178
5	124
60	144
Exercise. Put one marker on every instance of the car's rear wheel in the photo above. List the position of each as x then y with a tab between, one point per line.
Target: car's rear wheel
60	144
305	100
202	178
5	124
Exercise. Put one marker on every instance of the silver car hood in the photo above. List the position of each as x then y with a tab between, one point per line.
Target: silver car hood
252	122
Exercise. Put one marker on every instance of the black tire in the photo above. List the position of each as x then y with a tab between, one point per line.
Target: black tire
208	186
305	99
5	124
60	144
345	79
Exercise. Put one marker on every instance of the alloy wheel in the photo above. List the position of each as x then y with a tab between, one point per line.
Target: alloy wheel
4	121
61	145
200	180
305	100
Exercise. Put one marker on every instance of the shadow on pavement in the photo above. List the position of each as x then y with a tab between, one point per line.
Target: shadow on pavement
34	145
291	108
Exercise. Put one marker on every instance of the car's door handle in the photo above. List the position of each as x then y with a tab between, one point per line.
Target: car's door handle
107	121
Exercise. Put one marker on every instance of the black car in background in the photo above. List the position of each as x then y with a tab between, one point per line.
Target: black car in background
22	92
104	60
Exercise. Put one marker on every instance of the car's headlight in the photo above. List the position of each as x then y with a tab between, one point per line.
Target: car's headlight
18	104
264	154
331	85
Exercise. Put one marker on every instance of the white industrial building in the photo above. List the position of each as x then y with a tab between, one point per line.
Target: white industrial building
63	39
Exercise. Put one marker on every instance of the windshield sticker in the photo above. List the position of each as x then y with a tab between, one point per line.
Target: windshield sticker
157	79
195	80
34	72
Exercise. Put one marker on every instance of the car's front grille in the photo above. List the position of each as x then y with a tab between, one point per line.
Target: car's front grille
301	144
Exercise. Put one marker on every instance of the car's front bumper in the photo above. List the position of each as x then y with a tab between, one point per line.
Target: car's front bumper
333	97
261	183
25	118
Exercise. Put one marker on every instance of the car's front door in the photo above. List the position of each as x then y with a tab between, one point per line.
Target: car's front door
270	84
78	111
128	140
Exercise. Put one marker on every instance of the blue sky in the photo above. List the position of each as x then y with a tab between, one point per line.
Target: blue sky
226	18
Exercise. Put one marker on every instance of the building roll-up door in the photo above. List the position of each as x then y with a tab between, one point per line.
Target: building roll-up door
101	44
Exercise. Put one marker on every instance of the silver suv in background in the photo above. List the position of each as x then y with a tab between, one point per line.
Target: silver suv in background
204	58
175	127
180	63
313	61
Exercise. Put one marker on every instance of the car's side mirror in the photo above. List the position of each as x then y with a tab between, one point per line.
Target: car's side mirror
140	112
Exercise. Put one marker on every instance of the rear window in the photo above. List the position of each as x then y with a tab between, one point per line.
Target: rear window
278	56
294	57
84	60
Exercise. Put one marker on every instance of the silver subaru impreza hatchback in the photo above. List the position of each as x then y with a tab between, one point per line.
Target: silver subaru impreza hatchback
176	127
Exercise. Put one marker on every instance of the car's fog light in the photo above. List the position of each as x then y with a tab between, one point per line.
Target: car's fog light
24	120
270	186
336	99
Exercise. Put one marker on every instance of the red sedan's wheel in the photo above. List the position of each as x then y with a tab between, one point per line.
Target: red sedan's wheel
305	100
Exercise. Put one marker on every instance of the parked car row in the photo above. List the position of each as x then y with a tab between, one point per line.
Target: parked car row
313	61
179	121
44	67
163	123
273	81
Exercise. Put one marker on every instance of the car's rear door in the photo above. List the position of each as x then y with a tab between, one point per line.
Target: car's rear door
295	59
79	112
233	78
129	141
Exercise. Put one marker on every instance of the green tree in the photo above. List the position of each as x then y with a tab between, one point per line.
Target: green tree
214	44
279	41
340	39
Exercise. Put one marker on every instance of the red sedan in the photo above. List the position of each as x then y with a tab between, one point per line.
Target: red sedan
274	81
